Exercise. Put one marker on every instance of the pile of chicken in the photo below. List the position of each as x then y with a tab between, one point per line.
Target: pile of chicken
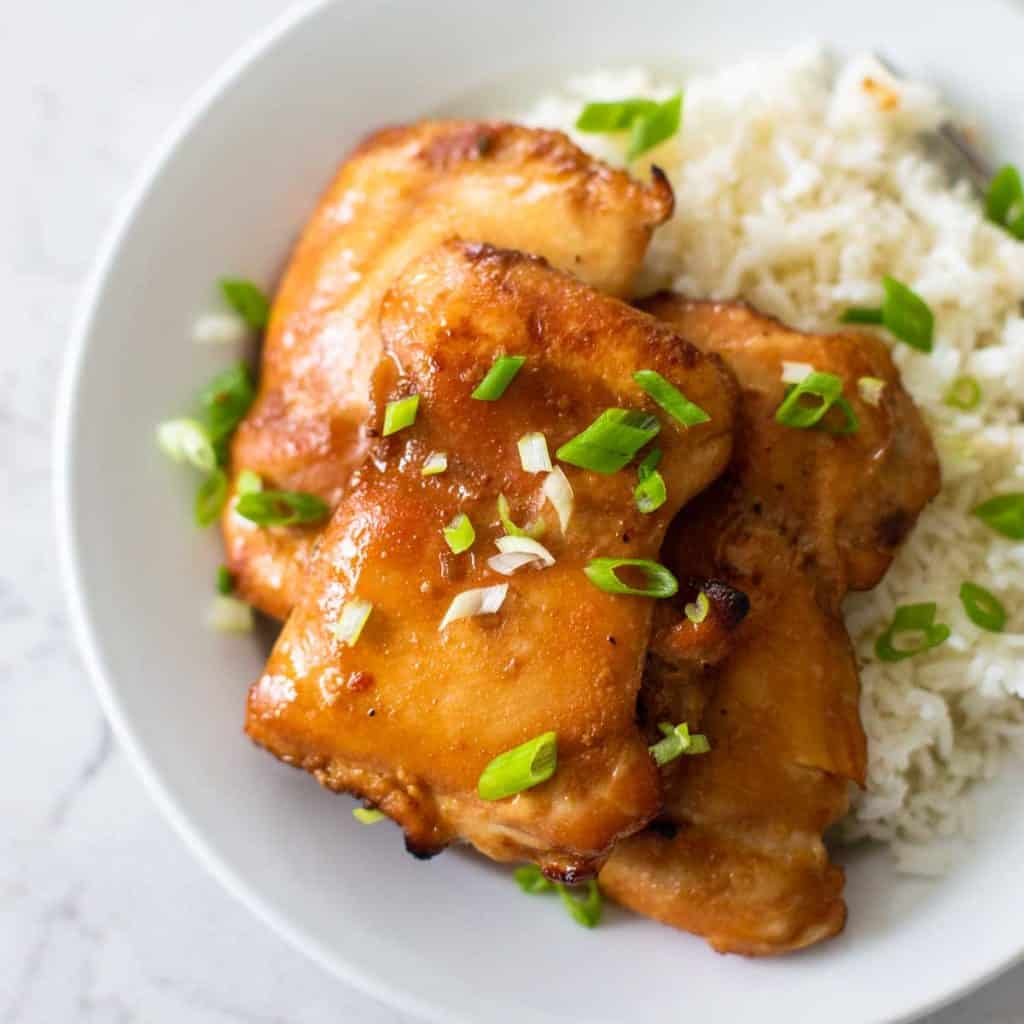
438	248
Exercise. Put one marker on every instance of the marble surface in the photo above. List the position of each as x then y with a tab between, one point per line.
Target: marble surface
104	916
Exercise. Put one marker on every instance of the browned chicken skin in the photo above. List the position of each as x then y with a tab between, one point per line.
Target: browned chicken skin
410	716
800	517
400	193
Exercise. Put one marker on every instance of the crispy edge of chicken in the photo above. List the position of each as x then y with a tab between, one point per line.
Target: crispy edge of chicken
799	518
402	191
410	717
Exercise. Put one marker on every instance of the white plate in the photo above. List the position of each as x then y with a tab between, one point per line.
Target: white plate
452	939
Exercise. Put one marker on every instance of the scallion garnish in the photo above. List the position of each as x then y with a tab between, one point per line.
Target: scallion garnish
531	879
983	608
650	493
227	399
659	581
219	329
1004	513
1004	204
225	581
615	116
400	414
559	492
913	630
520	768
248	482
697	611
187	440
480	601
498	378
793	373
535	529
648	121
963	393
229	615
281	508
351	621
670	398
517	553
367	815
903	312
247	300
459	534
676	742
794	412
533	453
870	389
210	498
434	463
587	911
611	441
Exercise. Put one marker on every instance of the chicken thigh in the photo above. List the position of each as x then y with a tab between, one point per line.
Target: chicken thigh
400	193
411	715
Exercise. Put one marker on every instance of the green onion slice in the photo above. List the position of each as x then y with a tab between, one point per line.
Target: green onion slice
520	768
1004	204
227	399
903	312
587	911
650	130
1004	514
434	463
983	608
367	815
229	615
849	425
670	398
225	581
557	489
400	414
531	879
535	529
793	412
614	116
281	508
611	441
351	621
963	393
210	498
248	482
498	378
459	534
247	300
533	453
660	582
870	389
650	493
187	440
913	630
697	612
862	315
677	740
479	601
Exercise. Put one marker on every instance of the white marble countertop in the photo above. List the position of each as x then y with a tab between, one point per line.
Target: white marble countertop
104	916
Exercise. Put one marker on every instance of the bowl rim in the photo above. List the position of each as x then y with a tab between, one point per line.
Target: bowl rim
367	982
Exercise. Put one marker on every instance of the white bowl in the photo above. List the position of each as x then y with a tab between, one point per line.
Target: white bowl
453	939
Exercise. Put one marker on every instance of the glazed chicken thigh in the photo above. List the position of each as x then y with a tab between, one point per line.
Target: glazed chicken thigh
410	716
800	517
400	193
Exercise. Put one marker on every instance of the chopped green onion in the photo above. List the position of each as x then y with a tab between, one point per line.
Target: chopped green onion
480	601
517	553
557	489
533	453
651	461
434	463
498	378
219	329
1004	513
913	630
587	911
793	373
367	815
1004	204
227	399
531	879
903	313
520	768
229	615
610	441
983	608
248	482
400	414
697	612
351	621
210	498
826	387
670	398
281	508
862	315
614	116
459	534
650	493
963	393
677	741
870	389
187	440
247	300
650	130
660	582
535	529
225	581
850	424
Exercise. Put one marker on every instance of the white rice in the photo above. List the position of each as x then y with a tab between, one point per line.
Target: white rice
796	191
